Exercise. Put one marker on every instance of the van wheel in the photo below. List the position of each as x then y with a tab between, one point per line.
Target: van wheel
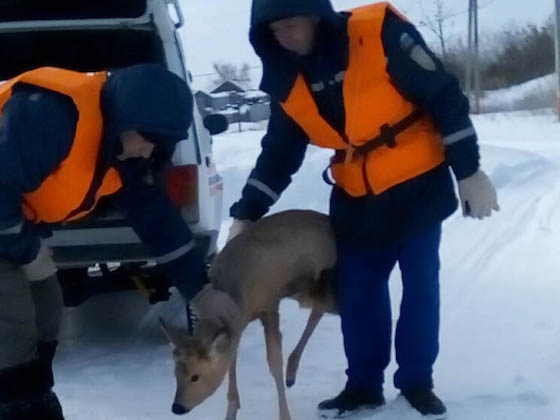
74	284
79	284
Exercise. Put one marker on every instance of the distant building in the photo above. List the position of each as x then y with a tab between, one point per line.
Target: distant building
235	102
227	86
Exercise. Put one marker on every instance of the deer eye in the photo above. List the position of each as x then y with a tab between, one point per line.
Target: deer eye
195	378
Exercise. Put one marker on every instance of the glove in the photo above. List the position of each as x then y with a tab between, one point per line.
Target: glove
237	227
215	305
478	196
42	267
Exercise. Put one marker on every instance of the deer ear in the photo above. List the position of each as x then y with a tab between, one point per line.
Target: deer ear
219	344
174	335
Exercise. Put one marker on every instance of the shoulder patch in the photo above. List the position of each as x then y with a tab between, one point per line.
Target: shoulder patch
417	52
35	97
422	58
406	42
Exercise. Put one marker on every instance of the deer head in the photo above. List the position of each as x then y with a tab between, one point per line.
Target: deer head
201	362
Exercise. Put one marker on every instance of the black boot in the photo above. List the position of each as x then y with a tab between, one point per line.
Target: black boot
425	401
348	402
44	406
26	392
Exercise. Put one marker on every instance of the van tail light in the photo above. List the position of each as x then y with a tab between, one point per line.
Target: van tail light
182	187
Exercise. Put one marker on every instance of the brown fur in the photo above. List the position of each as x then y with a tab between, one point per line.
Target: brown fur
289	254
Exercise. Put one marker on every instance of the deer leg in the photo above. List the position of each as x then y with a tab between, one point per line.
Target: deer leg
273	337
293	361
233	393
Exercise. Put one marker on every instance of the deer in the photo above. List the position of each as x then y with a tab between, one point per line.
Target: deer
288	254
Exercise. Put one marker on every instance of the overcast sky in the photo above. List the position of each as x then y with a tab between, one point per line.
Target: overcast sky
216	30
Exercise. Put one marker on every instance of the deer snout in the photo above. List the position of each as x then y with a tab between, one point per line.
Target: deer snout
179	409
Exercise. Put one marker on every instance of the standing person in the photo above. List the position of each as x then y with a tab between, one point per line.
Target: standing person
67	139
365	84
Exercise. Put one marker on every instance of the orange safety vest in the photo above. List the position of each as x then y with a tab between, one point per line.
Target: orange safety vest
74	188
375	113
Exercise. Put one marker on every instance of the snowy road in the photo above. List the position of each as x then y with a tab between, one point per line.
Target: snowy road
500	335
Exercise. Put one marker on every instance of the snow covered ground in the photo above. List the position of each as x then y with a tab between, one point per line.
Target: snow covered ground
500	335
534	94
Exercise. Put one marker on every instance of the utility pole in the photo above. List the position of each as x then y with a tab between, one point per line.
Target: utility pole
472	80
557	38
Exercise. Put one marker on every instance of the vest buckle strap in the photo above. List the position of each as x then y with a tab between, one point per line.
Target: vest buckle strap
349	156
387	136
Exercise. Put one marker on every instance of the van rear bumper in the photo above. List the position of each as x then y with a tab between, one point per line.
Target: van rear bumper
125	249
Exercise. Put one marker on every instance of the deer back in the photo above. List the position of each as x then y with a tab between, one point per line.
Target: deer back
285	254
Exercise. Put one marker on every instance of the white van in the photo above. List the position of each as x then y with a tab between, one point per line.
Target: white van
91	35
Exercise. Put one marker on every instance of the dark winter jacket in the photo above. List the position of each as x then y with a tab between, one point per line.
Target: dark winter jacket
36	134
375	219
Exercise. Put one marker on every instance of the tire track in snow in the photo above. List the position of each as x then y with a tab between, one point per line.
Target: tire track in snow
526	190
487	285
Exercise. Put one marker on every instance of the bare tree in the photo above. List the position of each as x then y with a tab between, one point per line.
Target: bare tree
230	72
436	22
244	76
225	71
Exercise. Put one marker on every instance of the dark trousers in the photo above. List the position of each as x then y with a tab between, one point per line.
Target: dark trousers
30	315
365	309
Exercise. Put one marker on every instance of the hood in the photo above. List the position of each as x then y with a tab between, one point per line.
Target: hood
266	11
150	99
273	56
